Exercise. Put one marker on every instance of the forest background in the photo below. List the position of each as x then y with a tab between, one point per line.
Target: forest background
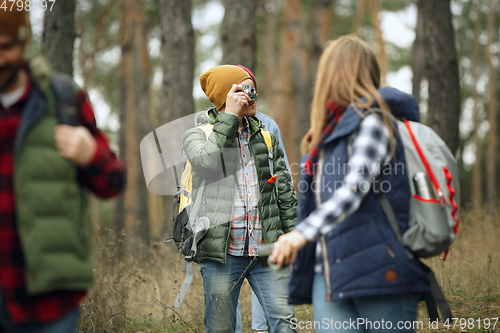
140	61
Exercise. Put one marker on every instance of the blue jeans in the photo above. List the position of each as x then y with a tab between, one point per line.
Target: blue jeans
222	284
388	313
259	322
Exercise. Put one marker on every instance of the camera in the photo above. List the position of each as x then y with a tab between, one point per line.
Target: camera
250	91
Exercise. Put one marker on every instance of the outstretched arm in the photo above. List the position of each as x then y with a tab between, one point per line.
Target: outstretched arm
371	146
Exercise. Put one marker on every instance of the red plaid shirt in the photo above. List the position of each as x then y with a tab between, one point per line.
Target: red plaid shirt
104	176
246	228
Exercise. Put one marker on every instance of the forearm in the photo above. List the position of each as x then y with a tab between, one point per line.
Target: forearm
369	150
105	174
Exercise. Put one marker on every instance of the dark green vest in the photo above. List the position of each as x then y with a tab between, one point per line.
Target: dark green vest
51	210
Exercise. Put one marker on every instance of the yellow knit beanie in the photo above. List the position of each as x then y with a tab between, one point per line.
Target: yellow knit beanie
15	23
217	82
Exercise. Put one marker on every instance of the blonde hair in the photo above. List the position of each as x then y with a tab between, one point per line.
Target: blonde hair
347	72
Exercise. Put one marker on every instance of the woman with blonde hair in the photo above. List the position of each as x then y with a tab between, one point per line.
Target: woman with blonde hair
346	259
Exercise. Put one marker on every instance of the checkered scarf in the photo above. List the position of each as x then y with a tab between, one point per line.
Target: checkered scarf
332	118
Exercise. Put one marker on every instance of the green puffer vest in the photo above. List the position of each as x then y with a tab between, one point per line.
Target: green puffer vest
216	159
50	204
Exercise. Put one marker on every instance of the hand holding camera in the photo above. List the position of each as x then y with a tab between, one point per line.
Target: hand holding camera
239	99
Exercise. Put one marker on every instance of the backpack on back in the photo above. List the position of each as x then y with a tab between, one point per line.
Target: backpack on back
433	179
433	175
183	228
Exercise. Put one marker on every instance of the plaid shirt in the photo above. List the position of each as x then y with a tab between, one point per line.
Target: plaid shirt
370	150
246	220
104	176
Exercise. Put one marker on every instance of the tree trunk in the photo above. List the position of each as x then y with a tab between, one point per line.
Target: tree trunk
302	82
417	62
282	100
320	31
178	60
178	63
441	69
358	17
477	188
491	184
382	58
269	61
59	36
305	63
238	32
135	71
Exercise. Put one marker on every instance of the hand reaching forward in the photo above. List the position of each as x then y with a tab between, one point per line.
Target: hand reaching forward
74	143
287	246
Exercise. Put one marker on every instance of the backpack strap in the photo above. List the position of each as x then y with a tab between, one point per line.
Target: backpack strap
188	268
270	156
198	226
65	99
198	233
267	138
63	89
435	299
186	185
207	128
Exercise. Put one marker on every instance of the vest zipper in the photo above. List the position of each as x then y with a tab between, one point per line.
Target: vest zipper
250	147
326	268
322	239
228	238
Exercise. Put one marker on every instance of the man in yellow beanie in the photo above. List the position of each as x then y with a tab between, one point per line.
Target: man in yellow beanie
51	154
248	197
219	84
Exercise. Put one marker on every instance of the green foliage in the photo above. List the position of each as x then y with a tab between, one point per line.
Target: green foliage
153	19
395	5
201	103
398	56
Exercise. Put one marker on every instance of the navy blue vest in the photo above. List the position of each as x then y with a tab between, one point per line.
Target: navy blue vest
364	255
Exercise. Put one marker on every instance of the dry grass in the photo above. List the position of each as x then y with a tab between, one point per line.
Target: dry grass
136	295
470	276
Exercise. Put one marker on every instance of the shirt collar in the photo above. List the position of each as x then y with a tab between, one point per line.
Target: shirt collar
246	127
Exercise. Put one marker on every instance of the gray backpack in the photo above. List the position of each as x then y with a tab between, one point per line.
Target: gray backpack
433	177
